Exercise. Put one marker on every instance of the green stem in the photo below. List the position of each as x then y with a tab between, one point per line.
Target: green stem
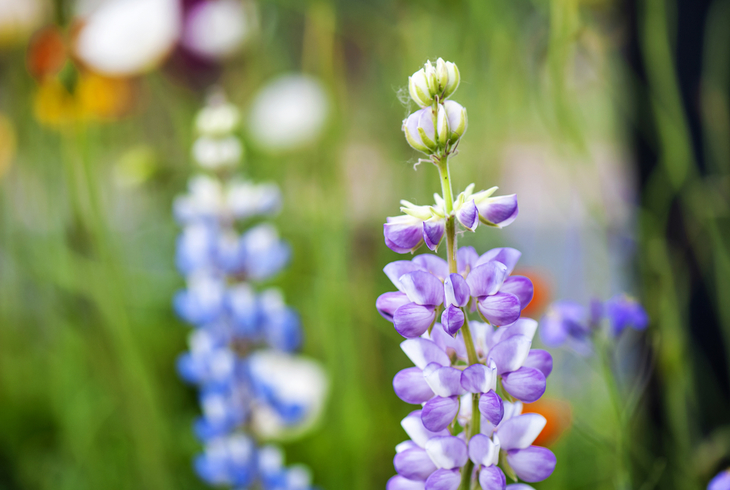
623	477
448	195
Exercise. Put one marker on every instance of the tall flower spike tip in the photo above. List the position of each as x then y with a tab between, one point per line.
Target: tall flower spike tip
470	294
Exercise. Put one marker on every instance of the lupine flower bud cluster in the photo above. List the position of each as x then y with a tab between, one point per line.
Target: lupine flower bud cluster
575	325
440	123
461	319
252	386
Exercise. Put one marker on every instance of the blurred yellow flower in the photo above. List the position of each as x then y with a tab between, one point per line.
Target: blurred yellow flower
7	144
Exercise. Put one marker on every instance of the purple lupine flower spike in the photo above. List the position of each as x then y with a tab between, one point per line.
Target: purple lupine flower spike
721	481
471	350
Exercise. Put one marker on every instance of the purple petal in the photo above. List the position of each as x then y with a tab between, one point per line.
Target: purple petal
468	215
508	256
439	412
405	446
403	233
414	464
396	269
453	346
399	483
486	279
478	378
721	481
433	232
452	319
456	290
499	211
410	386
500	308
553	330
523	326
466	259
532	464
510	354
411	320
444	480
423	352
521	431
521	287
416	431
492	407
482	451
447	452
540	360
422	288
492	478
387	303
526	384
433	264
444	381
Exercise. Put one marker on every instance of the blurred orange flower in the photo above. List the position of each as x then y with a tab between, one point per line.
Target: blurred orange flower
558	414
68	92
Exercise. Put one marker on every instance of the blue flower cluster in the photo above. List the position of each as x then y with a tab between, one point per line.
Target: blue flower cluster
241	348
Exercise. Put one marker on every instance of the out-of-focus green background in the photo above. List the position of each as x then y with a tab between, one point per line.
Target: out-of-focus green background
593	109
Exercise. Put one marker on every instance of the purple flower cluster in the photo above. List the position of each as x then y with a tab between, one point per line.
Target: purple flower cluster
572	324
721	481
241	347
470	376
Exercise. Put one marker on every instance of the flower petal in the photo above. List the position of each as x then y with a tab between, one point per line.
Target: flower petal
433	264
482	451
532	464
399	483
387	303
510	354
443	380
422	288
526	384
492	478
492	407
444	480
466	259
520	431
523	326
486	279
468	215
403	234
410	386
447	452
521	287
452	319
414	464
451	345
500	308
540	360
416	431
411	320
423	352
498	211
439	412
433	231
478	378
507	256
456	290
396	269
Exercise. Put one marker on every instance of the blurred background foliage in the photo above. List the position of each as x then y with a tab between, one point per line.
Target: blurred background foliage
609	119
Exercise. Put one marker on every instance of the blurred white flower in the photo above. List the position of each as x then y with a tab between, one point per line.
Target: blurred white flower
217	29
19	18
288	113
292	380
128	37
